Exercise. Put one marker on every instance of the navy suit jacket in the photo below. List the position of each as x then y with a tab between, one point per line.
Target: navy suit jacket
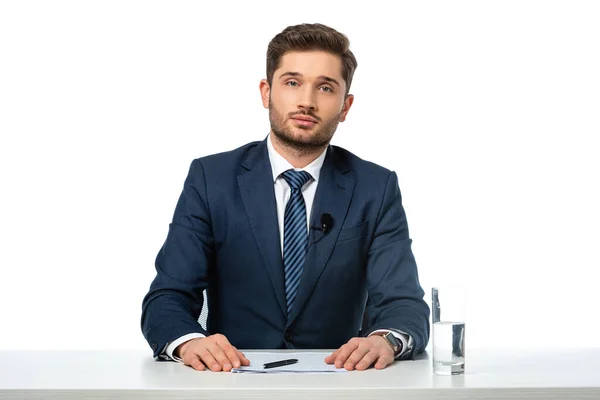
225	238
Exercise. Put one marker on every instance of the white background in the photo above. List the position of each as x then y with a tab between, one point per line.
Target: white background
488	111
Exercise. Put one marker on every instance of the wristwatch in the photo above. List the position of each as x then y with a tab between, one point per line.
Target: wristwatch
392	341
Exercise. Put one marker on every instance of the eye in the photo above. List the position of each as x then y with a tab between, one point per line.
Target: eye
292	83
327	89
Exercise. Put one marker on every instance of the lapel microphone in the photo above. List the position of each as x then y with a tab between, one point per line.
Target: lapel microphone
326	224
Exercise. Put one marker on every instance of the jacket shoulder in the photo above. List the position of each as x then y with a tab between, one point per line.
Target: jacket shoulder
360	166
225	159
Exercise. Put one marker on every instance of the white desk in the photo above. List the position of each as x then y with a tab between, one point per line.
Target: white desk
490	374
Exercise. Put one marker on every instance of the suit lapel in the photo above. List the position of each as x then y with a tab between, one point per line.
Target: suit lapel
334	192
257	190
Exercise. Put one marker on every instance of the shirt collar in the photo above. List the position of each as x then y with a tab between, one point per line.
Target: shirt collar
280	164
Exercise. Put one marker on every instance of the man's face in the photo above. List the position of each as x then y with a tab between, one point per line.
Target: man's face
306	100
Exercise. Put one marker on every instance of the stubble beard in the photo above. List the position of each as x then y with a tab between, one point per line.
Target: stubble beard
305	144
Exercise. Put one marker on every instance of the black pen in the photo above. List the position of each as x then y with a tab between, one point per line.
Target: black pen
280	363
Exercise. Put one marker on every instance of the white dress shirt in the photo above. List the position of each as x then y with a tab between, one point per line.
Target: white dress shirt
282	195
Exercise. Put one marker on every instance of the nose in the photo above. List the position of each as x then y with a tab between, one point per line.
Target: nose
307	99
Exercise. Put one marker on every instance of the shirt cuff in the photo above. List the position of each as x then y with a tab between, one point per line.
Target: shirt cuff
167	353
406	340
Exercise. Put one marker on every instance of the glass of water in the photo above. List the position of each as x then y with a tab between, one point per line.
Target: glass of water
448	320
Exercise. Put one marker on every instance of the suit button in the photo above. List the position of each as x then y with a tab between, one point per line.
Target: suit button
288	336
154	346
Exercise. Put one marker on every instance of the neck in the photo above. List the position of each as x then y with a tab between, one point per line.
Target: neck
299	158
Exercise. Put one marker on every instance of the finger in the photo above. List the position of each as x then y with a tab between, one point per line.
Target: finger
196	363
208	360
383	361
220	357
231	353
244	360
330	359
345	352
368	359
356	356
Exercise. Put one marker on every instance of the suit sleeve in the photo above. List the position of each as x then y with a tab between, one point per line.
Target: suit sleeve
395	294
173	304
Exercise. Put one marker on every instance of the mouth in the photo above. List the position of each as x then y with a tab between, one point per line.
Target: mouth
304	120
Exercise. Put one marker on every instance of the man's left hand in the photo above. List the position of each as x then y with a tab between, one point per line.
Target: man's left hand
361	353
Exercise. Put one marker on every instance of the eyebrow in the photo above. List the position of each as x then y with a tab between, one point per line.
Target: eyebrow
298	74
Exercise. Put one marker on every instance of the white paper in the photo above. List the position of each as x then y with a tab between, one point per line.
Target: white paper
307	362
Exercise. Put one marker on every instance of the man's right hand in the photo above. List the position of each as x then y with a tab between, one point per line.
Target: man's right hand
213	352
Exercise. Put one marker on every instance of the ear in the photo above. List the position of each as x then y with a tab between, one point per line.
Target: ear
265	92
347	104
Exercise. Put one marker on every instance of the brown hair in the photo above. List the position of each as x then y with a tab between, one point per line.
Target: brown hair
307	37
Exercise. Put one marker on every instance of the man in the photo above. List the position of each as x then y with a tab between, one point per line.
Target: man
298	244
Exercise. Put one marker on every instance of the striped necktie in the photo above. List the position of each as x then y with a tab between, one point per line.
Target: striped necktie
295	235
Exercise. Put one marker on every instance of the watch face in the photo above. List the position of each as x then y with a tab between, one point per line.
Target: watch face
391	339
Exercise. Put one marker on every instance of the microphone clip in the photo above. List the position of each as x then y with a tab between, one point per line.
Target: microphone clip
326	224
